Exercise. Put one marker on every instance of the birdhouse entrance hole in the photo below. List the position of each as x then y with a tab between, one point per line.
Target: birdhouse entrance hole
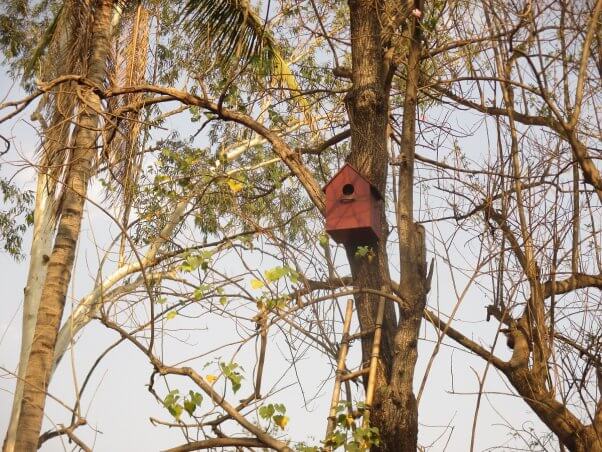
348	189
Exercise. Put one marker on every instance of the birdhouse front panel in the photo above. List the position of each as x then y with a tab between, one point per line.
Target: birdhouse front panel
352	208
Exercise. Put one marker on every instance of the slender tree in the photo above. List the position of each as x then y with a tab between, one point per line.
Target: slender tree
70	214
59	52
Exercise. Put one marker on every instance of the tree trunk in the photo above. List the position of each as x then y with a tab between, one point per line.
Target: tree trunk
57	139
394	410
412	258
41	247
63	254
569	429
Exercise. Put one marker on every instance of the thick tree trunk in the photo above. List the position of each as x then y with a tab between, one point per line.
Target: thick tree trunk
394	410
41	247
63	254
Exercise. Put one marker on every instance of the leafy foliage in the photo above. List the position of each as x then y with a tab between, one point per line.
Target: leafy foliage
176	409
365	251
275	412
22	24
230	372
350	437
171	403
15	217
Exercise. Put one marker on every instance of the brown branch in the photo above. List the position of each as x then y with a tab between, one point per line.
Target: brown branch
218	442
504	226
318	149
266	439
542	121
69	432
469	344
586	47
576	281
583	351
463	43
22	104
290	158
591	174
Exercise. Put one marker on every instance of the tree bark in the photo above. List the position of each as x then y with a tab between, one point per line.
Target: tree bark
571	432
394	411
41	247
61	260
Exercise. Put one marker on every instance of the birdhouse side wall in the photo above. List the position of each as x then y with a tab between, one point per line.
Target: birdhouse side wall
376	225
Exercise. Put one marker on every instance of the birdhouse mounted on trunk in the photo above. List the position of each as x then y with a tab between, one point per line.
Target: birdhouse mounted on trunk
352	208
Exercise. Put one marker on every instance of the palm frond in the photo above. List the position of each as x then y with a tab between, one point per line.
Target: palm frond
282	71
231	29
128	67
234	33
61	51
43	45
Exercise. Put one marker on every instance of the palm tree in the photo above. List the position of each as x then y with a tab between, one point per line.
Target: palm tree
69	215
64	55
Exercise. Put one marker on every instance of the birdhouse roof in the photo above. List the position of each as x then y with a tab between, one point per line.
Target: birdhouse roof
343	169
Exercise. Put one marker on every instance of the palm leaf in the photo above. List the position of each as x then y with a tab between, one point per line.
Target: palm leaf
231	28
234	33
60	51
122	140
43	45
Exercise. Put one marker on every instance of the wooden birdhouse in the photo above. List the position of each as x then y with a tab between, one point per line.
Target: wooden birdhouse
352	208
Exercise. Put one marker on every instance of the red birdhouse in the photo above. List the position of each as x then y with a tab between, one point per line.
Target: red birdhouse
352	208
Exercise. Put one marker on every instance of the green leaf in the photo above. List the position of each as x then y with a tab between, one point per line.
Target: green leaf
171	315
189	406
275	273
232	375
362	251
194	261
195	400
171	403
256	284
235	186
172	397
303	448
337	439
266	411
196	397
198	293
175	410
236	380
293	276
323	240
365	251
353	446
